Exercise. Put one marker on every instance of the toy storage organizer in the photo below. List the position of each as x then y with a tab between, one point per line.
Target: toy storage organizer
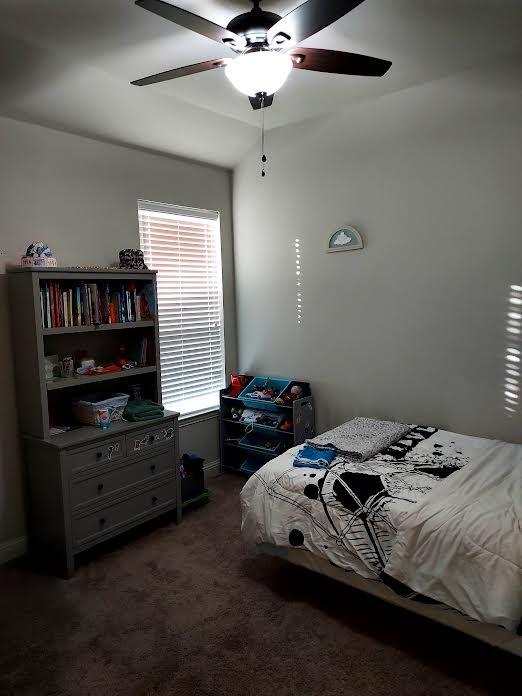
255	430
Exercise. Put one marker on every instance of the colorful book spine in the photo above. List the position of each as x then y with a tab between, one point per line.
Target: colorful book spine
54	305
85	302
70	307
137	305
123	305
65	302
42	308
77	306
48	305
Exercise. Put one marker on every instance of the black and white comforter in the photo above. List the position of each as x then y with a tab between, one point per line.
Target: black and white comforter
353	514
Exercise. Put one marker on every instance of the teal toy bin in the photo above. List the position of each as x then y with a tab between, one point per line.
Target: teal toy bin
272	383
256	441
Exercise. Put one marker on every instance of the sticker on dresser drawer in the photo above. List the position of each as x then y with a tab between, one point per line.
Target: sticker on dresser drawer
82	458
150	438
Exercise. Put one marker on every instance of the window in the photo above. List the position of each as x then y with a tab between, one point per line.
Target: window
183	245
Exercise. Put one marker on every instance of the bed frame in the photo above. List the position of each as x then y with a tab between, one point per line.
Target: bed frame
488	633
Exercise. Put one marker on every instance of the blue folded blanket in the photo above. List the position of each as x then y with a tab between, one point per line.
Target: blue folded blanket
314	458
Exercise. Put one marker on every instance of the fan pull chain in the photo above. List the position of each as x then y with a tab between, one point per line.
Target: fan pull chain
263	156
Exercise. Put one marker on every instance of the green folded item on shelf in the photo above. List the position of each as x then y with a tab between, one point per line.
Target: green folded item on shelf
142	409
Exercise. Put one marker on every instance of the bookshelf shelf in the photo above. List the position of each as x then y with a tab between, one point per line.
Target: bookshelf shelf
82	380
97	327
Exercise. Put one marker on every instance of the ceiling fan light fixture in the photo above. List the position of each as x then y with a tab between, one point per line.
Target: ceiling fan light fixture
259	72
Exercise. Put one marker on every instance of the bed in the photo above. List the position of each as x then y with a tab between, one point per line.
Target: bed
433	515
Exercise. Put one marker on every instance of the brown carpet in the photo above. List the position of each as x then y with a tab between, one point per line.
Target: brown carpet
190	610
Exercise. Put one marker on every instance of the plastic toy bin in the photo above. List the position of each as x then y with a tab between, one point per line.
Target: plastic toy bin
86	410
252	464
278	384
257	441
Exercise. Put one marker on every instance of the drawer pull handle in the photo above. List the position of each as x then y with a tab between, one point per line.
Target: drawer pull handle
153	468
154	499
99	455
100	487
102	521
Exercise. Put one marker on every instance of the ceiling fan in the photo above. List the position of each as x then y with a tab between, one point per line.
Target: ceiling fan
266	46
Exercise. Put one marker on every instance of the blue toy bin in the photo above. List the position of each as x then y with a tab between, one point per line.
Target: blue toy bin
255	441
279	384
252	464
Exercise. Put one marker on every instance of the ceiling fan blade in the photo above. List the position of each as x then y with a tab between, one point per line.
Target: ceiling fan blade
191	21
258	104
181	72
338	62
308	19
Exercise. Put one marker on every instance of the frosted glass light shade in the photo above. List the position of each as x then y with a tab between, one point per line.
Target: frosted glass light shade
259	71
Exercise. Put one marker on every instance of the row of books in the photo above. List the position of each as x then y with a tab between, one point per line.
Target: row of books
88	304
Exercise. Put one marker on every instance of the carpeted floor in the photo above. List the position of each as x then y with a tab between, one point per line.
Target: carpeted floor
190	610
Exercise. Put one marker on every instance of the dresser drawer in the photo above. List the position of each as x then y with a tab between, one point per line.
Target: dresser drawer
90	488
86	457
145	440
89	528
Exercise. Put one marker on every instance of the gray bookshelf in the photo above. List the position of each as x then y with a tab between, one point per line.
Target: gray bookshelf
86	485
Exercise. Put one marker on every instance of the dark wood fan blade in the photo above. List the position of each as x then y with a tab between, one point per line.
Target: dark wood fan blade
257	102
338	62
308	19
191	21
181	72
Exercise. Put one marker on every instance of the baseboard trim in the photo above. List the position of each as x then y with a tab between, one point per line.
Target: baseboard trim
14	548
211	469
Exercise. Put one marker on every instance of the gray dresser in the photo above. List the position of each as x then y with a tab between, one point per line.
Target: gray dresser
85	489
86	485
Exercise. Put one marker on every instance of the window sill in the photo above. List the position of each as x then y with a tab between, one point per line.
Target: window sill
198	416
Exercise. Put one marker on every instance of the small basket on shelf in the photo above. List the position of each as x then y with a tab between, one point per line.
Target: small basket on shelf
86	410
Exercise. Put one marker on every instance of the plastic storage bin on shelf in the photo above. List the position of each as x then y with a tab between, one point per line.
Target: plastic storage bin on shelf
251	465
261	443
278	385
86	410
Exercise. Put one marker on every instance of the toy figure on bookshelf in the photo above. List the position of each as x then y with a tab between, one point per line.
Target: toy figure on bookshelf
132	259
39	254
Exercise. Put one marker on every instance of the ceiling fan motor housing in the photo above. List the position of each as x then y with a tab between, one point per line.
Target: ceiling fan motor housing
253	26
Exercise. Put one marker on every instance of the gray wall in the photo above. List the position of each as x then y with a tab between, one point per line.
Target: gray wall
79	195
414	327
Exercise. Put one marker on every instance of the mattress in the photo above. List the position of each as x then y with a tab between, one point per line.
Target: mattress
374	517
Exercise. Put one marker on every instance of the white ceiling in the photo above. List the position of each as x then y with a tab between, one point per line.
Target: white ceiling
68	64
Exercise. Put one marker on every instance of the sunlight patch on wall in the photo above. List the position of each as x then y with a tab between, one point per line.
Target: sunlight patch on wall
298	281
513	351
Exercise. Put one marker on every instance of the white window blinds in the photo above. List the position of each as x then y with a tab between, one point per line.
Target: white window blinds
183	245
